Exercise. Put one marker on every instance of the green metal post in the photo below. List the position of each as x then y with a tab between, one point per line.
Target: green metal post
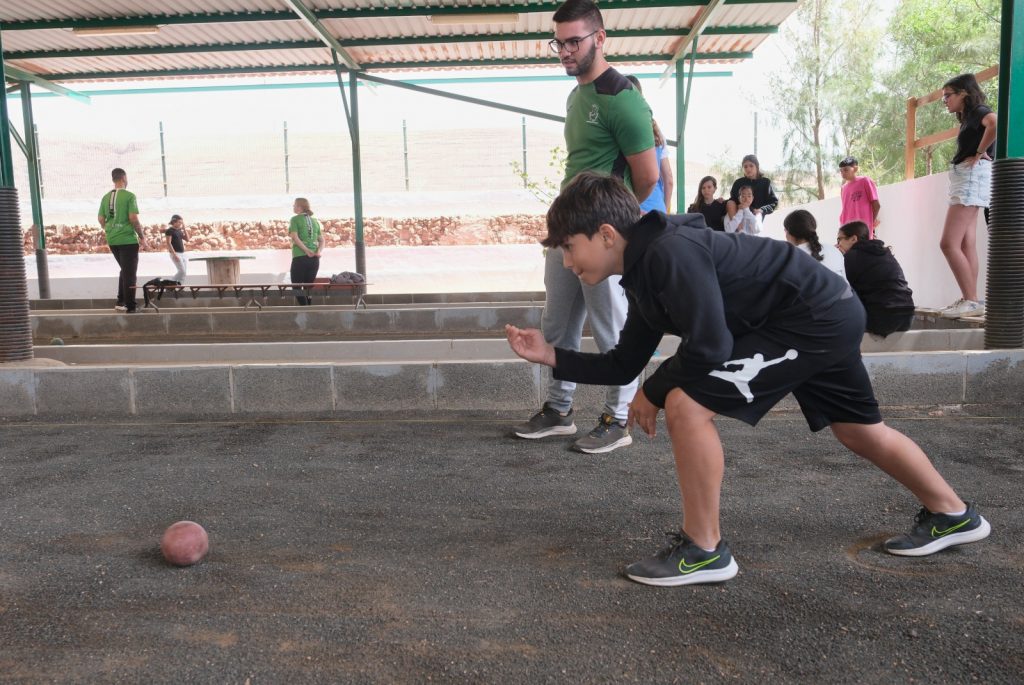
405	153
163	158
525	184
39	162
32	158
6	152
287	177
1010	139
682	105
357	173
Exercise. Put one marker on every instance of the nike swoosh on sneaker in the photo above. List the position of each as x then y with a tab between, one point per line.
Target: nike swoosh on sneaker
685	568
941	533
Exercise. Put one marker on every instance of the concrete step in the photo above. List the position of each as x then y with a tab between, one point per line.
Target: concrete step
282	323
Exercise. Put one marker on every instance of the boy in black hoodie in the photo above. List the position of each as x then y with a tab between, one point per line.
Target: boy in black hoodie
877	278
757	319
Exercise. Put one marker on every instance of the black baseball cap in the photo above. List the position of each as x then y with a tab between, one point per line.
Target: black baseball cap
847	161
174	217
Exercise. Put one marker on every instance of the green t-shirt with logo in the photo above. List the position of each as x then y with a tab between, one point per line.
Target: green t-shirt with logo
308	230
606	120
115	208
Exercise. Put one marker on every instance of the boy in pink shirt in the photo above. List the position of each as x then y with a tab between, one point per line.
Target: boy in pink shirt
859	195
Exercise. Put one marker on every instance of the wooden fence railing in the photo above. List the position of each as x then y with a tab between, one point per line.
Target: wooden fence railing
913	142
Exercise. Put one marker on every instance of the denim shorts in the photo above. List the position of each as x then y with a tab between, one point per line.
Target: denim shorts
970	185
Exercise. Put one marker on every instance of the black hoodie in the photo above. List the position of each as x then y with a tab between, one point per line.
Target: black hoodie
876	276
705	286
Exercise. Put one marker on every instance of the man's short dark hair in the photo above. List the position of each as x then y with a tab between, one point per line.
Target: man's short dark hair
589	200
118	174
572	10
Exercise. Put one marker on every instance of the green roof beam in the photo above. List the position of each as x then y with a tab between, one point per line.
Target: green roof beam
164	90
16	74
294	68
362	42
326	36
690	43
356	13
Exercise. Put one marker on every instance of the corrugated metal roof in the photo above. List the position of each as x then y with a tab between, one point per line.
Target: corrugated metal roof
261	35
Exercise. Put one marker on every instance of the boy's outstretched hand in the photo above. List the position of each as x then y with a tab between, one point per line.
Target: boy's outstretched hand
529	343
643	413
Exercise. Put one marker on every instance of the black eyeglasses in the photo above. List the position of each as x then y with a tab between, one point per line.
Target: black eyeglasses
572	45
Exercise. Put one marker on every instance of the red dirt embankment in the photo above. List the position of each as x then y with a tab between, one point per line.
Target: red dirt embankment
377	231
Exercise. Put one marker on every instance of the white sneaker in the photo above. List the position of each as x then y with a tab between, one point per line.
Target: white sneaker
951	306
120	308
965	308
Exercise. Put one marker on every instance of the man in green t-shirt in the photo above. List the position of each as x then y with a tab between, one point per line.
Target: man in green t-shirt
119	217
608	130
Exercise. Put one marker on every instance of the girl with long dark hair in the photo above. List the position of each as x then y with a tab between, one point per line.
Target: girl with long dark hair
802	231
707	204
765	200
970	175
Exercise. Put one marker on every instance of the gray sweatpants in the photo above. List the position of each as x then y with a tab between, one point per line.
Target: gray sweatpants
568	302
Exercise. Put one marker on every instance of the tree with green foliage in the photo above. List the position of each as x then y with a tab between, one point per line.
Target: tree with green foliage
931	41
823	98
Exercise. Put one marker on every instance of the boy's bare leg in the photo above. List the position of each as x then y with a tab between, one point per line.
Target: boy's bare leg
901	458
700	463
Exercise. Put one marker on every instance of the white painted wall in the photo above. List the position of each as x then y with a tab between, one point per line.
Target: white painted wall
912	216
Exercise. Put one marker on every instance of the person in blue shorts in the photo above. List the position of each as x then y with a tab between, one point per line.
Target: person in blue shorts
757	319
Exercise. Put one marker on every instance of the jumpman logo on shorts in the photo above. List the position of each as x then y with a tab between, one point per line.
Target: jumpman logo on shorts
749	368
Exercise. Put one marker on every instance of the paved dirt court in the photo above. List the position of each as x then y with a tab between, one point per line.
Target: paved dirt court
440	549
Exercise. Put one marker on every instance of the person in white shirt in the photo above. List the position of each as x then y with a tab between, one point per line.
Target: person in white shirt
743	220
802	231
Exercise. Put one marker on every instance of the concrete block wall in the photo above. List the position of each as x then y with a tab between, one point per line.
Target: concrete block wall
29	391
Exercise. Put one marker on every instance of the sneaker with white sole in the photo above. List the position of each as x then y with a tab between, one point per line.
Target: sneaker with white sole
957	303
548	421
607	435
684	563
120	308
934	532
964	308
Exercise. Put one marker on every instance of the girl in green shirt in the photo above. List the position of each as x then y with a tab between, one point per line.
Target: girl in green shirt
307	246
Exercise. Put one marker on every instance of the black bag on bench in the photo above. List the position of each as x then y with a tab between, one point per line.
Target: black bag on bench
160	283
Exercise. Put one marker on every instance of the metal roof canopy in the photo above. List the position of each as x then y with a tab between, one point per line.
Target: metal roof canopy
67	40
62	40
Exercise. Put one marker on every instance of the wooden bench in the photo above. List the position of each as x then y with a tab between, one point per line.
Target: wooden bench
321	286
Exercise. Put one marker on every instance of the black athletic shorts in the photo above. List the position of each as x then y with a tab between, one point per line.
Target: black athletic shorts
815	356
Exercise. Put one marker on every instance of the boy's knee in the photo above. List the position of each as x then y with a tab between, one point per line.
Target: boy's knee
855	436
682	412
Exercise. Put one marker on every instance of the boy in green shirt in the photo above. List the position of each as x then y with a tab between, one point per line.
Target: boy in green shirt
119	218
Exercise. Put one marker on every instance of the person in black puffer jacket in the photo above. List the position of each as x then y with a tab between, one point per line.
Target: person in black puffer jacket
876	277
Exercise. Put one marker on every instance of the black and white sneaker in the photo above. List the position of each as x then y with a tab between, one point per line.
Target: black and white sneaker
548	421
934	532
684	563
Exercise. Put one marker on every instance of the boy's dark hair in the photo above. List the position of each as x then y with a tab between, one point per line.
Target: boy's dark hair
589	200
572	10
801	225
855	228
118	174
973	96
752	158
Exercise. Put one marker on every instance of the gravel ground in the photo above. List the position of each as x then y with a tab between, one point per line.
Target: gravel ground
438	548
